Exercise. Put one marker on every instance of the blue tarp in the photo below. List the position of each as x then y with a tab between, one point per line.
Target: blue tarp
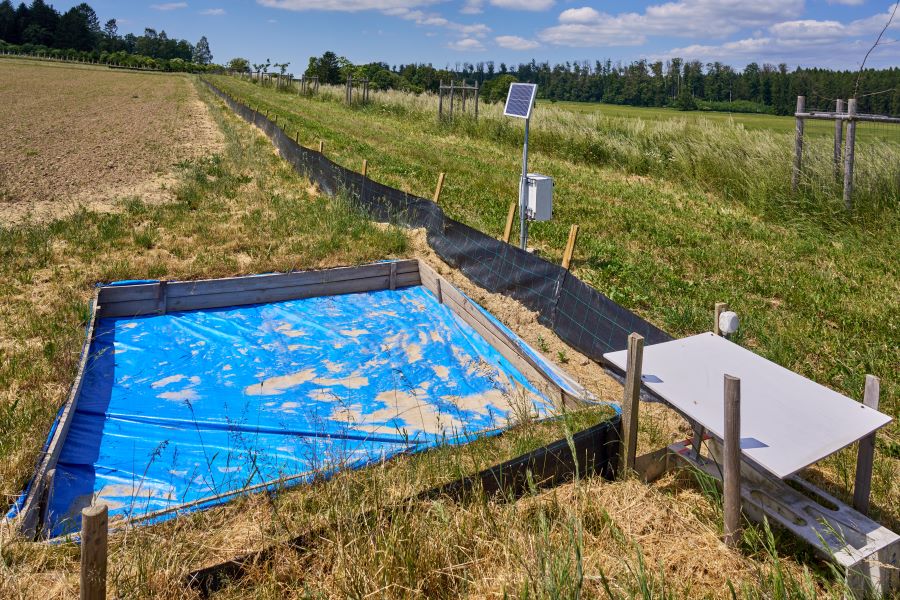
187	407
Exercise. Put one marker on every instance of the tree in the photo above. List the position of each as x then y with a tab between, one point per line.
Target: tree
327	67
202	53
685	100
7	21
111	29
239	65
76	29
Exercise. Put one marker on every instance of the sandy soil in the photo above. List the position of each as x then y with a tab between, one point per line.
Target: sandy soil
84	136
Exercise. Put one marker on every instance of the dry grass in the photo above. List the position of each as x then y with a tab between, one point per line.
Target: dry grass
245	211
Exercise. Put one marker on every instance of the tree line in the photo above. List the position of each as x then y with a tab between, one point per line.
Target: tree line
39	28
687	85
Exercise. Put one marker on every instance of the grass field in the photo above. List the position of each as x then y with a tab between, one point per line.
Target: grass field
754	122
813	297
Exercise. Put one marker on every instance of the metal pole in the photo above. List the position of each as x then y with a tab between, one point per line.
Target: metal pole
523	222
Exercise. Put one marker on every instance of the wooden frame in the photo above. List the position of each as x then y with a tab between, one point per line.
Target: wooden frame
132	300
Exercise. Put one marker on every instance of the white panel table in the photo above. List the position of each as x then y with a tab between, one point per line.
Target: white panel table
788	422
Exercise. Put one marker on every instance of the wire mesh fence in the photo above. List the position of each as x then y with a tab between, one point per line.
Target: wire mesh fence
580	315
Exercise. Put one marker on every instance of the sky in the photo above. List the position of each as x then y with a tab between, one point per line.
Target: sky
808	33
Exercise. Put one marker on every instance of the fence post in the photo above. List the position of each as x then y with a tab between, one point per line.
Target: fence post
866	452
94	533
570	247
451	99
732	461
838	139
798	144
509	221
476	100
365	167
321	146
440	99
720	308
631	403
439	188
849	154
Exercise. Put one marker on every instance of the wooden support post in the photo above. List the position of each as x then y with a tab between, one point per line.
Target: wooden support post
570	247
509	221
440	292
441	99
838	139
631	403
720	308
439	188
732	461
451	99
94	532
393	276
798	145
321	146
866	452
365	167
476	100
849	154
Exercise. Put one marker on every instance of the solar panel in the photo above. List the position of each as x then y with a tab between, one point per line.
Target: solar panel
520	100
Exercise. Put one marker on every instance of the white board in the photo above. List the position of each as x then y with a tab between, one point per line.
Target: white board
788	422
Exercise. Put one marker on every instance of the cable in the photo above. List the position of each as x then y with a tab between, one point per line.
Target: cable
877	40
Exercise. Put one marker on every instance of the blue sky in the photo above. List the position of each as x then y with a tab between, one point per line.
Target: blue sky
828	33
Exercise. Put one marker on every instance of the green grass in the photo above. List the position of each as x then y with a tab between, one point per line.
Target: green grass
816	293
866	132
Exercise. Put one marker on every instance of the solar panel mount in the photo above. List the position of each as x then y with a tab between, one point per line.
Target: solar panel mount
520	100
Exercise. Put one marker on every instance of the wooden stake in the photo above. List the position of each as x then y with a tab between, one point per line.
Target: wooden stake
440	186
321	146
798	145
365	168
630	403
94	520
509	221
720	308
732	461
866	452
838	140
570	247
849	154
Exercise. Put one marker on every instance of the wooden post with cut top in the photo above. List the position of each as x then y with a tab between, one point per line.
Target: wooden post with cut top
94	532
439	188
630	403
798	145
732	461
510	216
365	167
838	138
321	146
865	454
570	247
720	308
849	154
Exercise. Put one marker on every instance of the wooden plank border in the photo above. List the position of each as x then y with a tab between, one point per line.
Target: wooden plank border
29	515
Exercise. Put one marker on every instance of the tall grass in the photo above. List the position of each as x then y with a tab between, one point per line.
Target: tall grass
752	166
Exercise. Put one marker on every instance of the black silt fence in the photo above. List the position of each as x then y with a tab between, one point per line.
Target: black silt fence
580	315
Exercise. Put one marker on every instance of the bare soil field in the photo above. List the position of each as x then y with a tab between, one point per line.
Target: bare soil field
88	136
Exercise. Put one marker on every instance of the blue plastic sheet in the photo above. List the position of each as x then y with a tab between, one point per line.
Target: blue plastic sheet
183	409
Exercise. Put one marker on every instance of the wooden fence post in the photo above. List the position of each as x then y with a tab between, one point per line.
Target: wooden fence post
849	154
439	188
570	247
732	461
720	308
476	100
630	404
94	521
838	139
365	168
321	146
798	145
866	452
440	99
509	221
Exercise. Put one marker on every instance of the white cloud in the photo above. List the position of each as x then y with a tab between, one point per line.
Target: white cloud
847	2
424	19
586	27
514	42
533	5
345	5
472	7
466	45
169	6
805	41
213	12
